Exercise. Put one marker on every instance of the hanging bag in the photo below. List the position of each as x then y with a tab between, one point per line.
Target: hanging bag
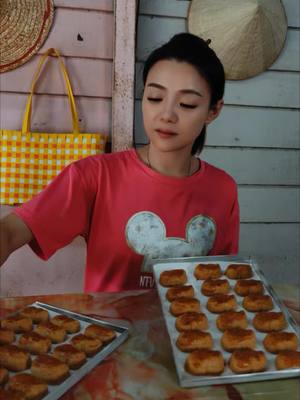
30	160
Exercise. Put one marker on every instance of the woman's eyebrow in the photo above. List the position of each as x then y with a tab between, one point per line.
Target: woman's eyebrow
183	91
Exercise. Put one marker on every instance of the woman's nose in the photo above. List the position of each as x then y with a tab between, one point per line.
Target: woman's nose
168	113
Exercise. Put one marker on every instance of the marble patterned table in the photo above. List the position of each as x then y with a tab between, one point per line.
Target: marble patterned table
142	368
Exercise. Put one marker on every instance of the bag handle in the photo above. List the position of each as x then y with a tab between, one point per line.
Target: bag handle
27	114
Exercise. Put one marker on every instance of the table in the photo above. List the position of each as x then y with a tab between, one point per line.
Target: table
142	368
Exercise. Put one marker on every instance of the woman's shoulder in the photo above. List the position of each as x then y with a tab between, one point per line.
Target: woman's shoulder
217	174
105	159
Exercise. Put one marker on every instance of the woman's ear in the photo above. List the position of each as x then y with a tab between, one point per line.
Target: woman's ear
214	112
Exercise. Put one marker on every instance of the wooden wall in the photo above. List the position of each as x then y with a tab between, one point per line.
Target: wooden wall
83	31
256	139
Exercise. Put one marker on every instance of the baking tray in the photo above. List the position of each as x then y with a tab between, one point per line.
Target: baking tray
121	329
189	264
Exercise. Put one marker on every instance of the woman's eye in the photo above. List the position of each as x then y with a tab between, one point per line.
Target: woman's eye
184	105
154	99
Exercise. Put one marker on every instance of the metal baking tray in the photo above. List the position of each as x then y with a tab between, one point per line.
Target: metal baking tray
189	264
121	329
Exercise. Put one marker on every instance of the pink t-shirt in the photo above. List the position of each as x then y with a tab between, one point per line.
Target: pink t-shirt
126	212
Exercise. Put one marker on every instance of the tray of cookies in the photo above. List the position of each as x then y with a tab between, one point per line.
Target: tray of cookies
226	323
45	350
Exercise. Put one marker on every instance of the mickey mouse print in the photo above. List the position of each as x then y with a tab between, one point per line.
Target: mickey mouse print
146	235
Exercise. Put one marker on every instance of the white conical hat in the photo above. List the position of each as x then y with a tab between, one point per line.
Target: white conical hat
247	35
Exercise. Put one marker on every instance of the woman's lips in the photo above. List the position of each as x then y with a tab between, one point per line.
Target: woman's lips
165	134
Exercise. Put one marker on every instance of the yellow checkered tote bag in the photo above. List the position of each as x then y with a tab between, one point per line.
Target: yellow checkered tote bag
30	160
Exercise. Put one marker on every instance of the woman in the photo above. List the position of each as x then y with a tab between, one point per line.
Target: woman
157	201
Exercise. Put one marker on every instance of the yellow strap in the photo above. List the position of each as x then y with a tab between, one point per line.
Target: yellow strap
27	113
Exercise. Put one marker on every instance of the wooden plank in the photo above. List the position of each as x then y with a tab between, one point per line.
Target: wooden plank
270	239
123	89
81	33
244	126
101	5
257	166
153	31
255	127
292	10
89	77
269	204
289	58
169	8
52	114
276	247
175	8
269	89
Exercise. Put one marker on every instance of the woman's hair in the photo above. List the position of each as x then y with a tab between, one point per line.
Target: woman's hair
195	51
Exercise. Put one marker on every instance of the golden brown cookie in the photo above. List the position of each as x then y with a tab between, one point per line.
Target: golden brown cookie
55	333
49	369
244	361
90	346
179	292
215	286
69	355
71	325
3	376
34	343
207	271
269	321
205	362
7	336
17	323
278	341
221	302
237	338
174	277
30	386
244	287
191	321
239	271
37	314
194	340
231	319
287	359
181	306
103	333
13	358
258	302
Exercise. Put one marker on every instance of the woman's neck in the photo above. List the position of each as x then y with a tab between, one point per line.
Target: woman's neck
177	164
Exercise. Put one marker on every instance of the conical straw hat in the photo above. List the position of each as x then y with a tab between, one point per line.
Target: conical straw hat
247	35
24	26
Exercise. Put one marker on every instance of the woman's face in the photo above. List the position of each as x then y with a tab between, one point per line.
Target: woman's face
175	105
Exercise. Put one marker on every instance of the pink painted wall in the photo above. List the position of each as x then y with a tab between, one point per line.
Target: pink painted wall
89	62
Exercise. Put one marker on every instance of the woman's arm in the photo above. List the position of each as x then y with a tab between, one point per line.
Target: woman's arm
14	233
